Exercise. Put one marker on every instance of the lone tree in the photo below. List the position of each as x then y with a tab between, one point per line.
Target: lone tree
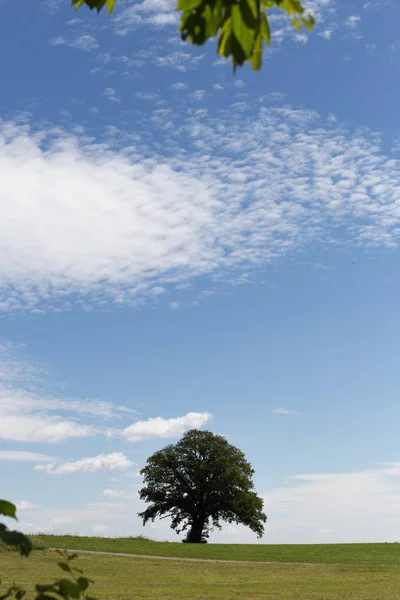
199	482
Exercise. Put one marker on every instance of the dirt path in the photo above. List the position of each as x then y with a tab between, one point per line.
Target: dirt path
186	559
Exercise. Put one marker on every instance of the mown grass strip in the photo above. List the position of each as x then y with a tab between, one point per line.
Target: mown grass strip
346	554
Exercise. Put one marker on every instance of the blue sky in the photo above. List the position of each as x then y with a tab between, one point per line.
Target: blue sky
183	247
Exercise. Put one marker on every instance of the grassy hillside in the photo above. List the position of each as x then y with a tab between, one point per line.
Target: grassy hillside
118	578
346	554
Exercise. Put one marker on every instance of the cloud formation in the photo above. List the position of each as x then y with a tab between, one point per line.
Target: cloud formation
154	13
29	413
159	427
80	42
362	506
22	420
24	456
109	493
113	221
25	505
117	461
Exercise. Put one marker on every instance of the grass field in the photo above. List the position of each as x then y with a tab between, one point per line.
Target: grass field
345	572
119	578
346	554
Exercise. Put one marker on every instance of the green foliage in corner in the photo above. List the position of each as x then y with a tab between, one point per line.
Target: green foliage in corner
13	538
72	588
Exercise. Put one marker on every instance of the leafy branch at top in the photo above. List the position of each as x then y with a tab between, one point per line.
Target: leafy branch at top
242	26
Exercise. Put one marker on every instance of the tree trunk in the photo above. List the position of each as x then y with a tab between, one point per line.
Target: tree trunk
195	534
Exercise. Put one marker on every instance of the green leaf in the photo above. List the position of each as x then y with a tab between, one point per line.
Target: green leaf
309	22
71	556
68	588
296	24
187	4
77	3
42	587
95	4
225	39
8	509
249	12
265	30
17	539
83	583
292	7
243	37
256	58
64	567
110	6
193	26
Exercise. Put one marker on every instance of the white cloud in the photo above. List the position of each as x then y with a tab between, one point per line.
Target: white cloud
326	34
179	60
352	21
109	493
110	94
24	505
155	13
20	423
99	529
52	6
301	38
284	411
325	14
159	427
113	221
23	456
179	85
81	519
28	413
163	20
147	96
362	506
117	461
80	42
198	95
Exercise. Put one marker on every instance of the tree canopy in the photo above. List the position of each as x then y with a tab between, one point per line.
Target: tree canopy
242	26
199	482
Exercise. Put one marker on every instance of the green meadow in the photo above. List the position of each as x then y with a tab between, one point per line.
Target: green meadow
281	572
